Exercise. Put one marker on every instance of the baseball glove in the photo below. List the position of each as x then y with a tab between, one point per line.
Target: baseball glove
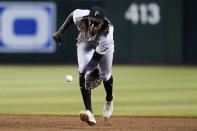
92	79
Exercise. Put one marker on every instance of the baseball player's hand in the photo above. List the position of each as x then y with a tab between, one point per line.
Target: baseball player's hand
87	74
57	36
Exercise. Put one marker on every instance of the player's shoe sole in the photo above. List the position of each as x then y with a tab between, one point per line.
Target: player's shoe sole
84	117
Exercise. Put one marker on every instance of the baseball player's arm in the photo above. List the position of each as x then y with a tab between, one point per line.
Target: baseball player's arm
67	22
100	51
94	61
91	66
57	36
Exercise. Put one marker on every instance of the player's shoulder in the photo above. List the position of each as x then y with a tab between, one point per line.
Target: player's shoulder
78	14
81	12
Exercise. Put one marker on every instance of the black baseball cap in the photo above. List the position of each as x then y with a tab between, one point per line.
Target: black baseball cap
97	14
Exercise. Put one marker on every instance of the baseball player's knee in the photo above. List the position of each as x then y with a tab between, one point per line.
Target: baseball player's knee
105	76
81	69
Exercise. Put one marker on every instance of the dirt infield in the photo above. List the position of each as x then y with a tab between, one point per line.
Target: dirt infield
72	123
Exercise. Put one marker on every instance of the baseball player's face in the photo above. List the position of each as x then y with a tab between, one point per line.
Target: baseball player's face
95	27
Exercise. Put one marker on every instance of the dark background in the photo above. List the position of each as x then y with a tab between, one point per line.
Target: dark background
190	32
171	41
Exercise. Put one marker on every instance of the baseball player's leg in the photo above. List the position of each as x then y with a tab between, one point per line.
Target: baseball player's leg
84	54
86	94
105	66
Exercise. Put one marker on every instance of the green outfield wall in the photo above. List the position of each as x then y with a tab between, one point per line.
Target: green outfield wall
146	32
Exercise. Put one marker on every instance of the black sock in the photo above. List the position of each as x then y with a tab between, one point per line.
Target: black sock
86	94
108	85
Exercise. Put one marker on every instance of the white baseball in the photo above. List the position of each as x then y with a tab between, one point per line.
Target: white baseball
68	78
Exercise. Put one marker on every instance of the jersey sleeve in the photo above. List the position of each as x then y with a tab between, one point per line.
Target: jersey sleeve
78	14
106	42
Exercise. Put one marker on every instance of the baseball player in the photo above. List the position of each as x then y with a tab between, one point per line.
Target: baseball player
95	48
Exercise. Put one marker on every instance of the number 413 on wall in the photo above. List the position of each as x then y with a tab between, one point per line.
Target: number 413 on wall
143	13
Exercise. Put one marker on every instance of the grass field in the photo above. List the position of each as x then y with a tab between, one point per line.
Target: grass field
138	91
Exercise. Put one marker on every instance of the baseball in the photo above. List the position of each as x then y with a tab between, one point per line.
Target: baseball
68	78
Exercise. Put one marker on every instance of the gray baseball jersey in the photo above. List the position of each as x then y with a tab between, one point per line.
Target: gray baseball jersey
87	44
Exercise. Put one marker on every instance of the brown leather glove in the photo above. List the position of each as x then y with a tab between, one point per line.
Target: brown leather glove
92	79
